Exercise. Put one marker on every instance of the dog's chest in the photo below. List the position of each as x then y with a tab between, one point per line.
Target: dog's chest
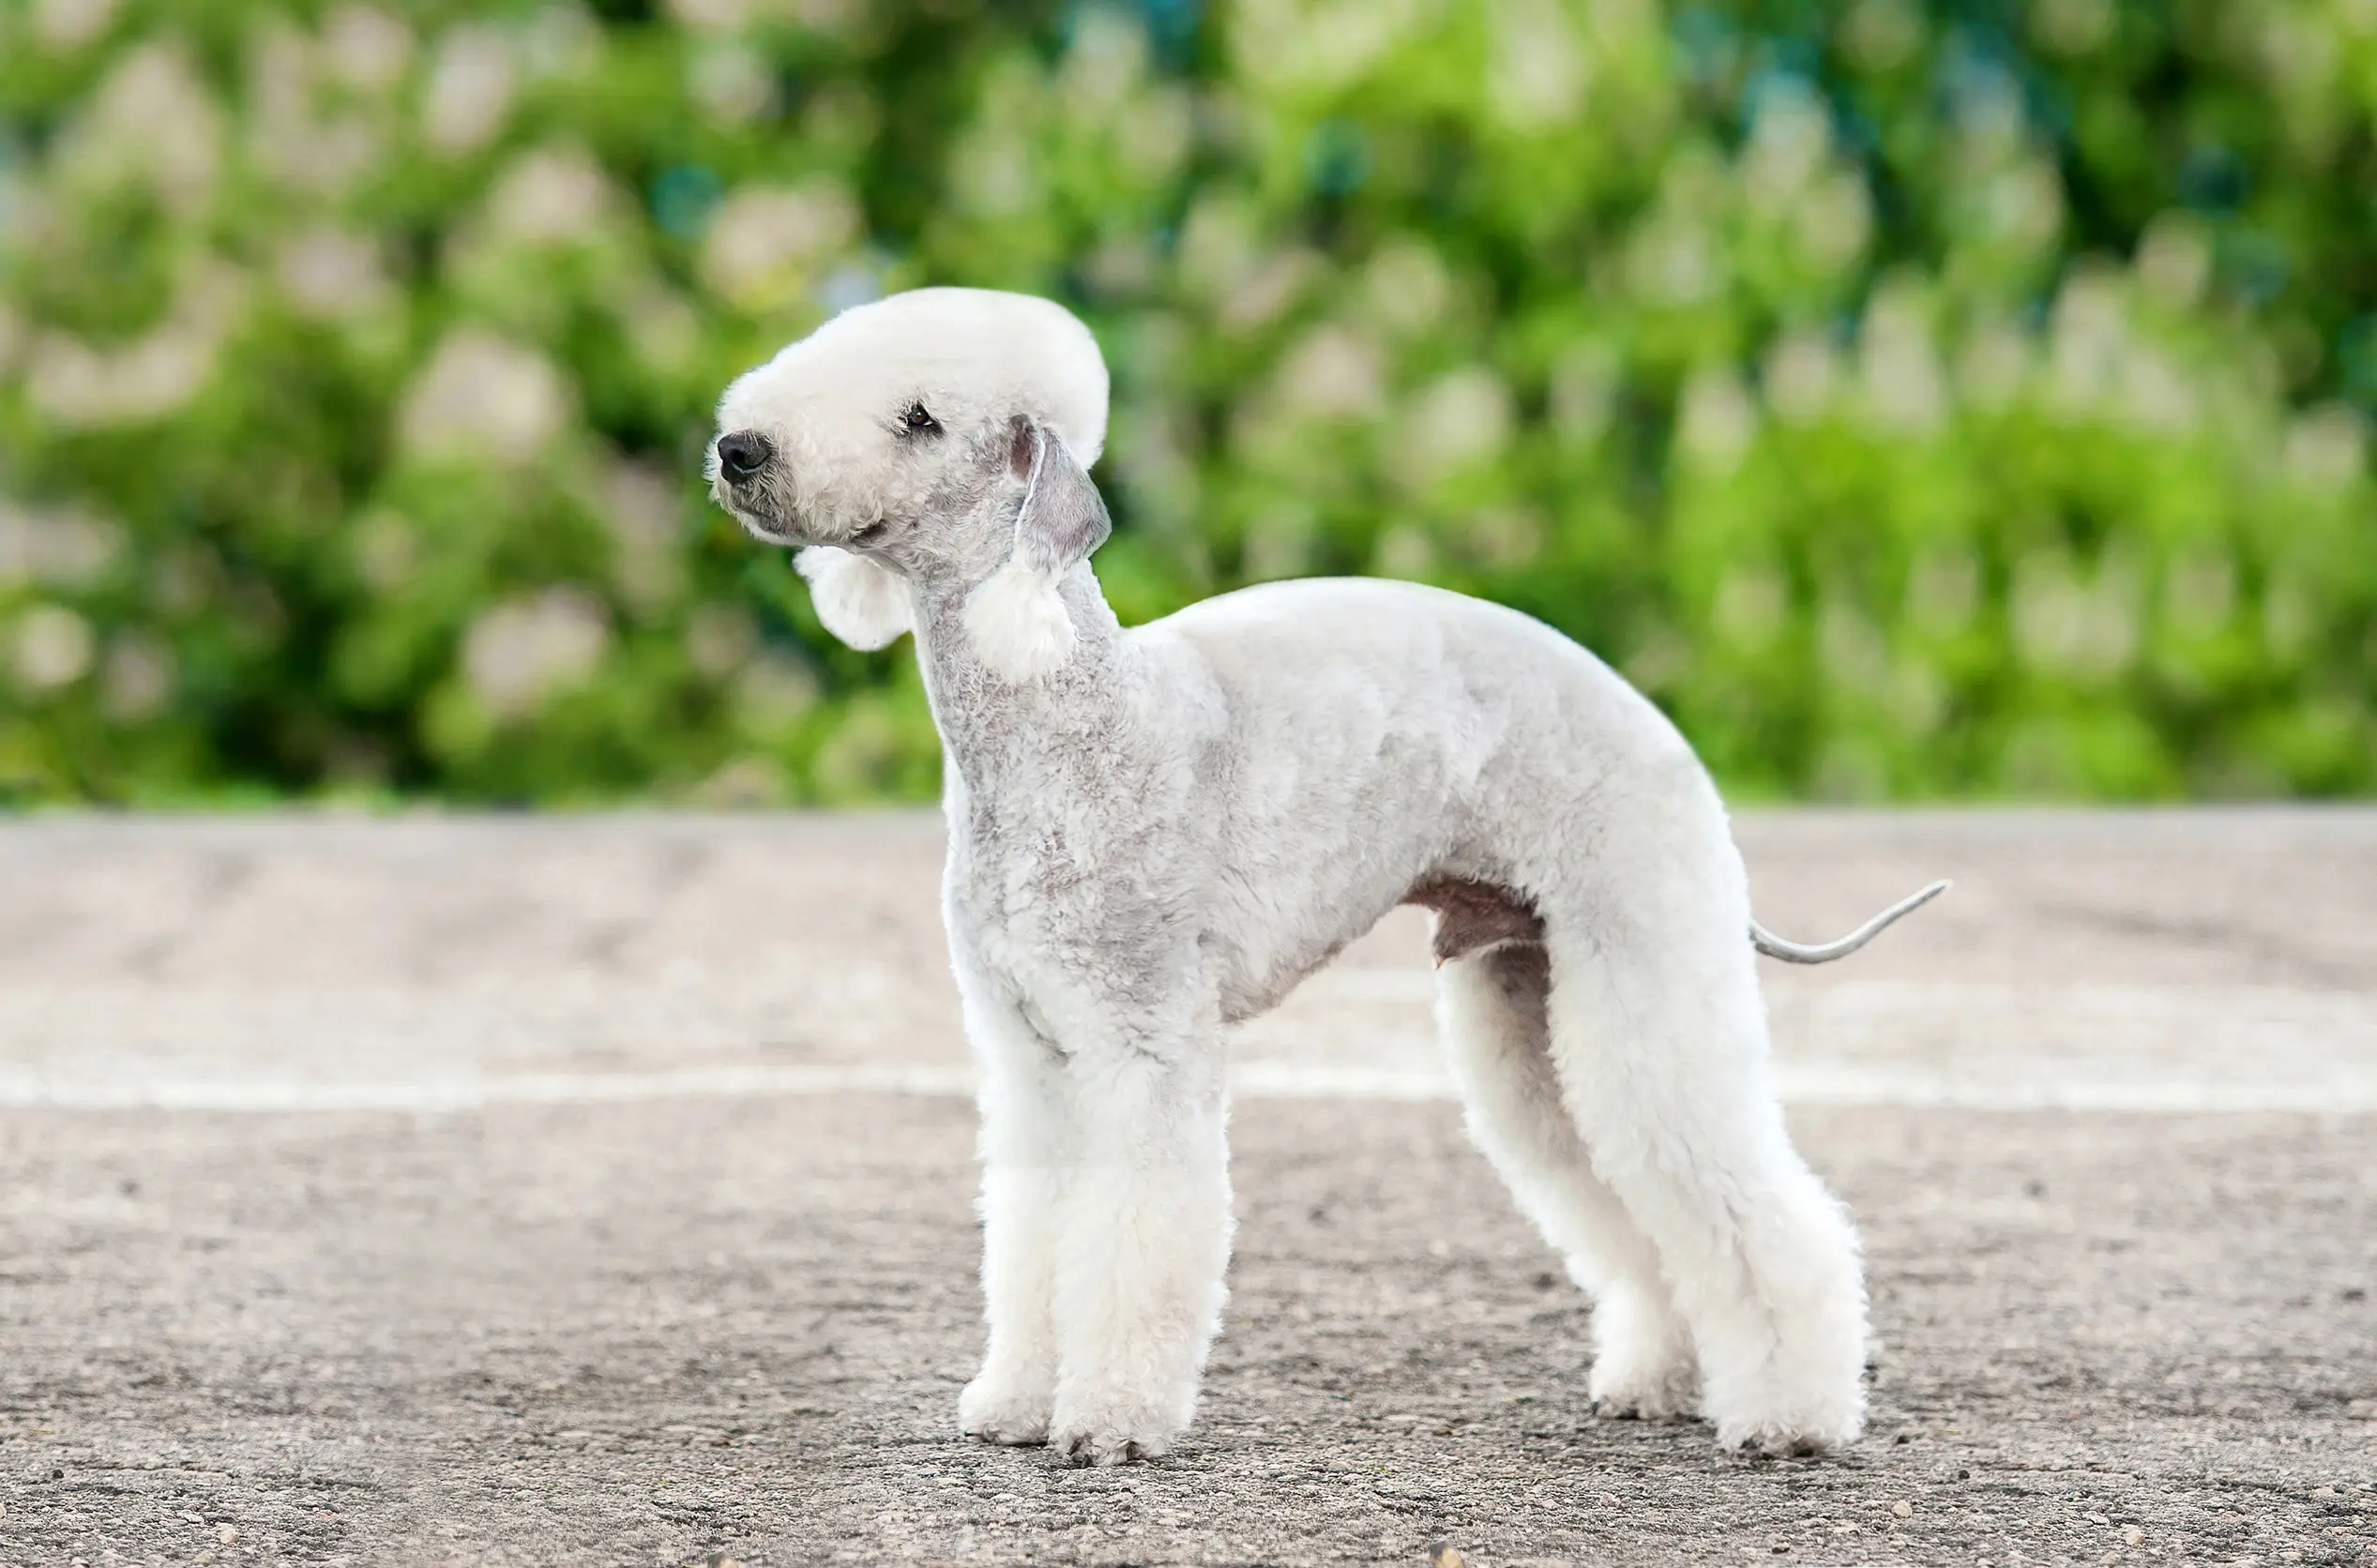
1020	891
1049	909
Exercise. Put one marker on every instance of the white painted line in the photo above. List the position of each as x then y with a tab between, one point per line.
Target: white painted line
1807	1083
436	1095
2025	1088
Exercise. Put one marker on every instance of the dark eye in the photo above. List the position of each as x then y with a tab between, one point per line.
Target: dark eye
917	419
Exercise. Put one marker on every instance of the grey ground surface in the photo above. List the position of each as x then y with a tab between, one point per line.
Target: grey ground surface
598	1191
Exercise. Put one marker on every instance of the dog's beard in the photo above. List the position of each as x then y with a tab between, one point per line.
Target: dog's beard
762	512
766	531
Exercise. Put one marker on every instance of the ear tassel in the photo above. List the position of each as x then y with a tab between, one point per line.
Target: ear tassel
1018	624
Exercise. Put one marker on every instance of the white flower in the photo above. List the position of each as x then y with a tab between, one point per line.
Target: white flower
1787	145
2327	448
1153	136
1279	543
524	650
63	547
1404	551
63	24
287	137
720	15
643	505
991	171
662	328
764	241
719	637
2065	626
2174	259
2088	334
1408	288
1904	386
386	551
52	647
732	84
1850	647
1943	589
1750	606
724	16
484	396
80	388
2199	591
1673	259
1459	418
1541	70
1717	421
151	119
1332	372
1802	370
1317	44
1879	35
1835	220
1218	249
1266	295
551	196
366	48
137	680
2073	27
1993	363
2023	205
772	691
332	275
1583	390
470	90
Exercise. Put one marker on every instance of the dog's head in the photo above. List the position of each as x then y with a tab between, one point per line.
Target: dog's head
943	434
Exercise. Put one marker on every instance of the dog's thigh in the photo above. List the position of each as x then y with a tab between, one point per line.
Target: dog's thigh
1145	1242
1491	1009
1028	1147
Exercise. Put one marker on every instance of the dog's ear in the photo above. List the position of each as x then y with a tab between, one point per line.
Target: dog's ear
1016	620
862	602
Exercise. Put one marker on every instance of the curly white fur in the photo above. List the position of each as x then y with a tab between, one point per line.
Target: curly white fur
1017	623
861	601
1163	829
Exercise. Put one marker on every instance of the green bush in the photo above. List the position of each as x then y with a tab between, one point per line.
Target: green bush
1917	399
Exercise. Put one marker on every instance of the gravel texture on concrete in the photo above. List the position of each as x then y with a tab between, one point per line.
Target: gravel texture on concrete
664	1328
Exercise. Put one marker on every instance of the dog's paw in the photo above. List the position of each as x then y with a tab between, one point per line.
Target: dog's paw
996	1410
1778	1443
1111	1436
1664	1390
1789	1427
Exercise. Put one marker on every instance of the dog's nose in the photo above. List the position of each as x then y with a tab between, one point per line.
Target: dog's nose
742	454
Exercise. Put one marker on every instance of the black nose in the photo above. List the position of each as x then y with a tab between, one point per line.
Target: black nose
742	454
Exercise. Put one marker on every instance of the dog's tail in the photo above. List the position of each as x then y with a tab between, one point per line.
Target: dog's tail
1823	953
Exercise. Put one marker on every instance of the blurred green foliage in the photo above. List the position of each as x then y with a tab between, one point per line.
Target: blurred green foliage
1917	398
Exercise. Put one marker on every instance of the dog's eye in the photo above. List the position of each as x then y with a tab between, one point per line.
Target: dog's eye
917	419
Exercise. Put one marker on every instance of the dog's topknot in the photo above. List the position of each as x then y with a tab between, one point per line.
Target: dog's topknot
1030	355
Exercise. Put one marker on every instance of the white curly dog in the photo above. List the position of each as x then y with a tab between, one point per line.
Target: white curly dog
1157	831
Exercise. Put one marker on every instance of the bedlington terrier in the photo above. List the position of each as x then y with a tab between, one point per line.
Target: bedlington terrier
1158	831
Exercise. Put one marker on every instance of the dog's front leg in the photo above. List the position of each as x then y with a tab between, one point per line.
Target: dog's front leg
1028	1147
1144	1243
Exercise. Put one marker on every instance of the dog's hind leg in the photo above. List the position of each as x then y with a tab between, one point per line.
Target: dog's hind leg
1027	1146
1491	1011
1659	1037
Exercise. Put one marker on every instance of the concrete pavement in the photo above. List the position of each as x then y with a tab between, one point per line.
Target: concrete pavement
597	1190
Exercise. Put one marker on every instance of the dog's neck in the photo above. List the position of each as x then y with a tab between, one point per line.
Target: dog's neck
993	730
